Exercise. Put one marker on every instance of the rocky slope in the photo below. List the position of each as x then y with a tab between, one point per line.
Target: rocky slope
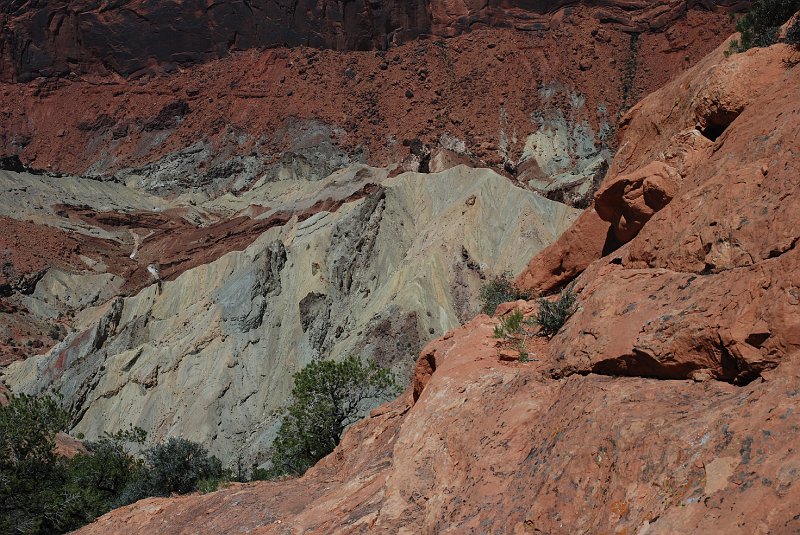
504	98
216	173
667	404
355	263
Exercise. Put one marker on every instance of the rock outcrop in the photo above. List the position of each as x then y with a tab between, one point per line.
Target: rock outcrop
711	276
354	264
668	403
664	140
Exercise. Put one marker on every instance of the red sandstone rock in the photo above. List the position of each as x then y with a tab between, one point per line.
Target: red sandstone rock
66	446
580	245
710	280
628	201
663	140
481	445
59	37
271	99
486	445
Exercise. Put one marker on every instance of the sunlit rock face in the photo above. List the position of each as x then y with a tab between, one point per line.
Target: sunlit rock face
208	353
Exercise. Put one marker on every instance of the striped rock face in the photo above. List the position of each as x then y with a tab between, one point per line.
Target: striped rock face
355	264
115	92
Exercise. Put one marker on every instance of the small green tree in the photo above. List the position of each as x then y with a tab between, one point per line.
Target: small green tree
327	397
102	474
760	27
43	493
552	315
31	475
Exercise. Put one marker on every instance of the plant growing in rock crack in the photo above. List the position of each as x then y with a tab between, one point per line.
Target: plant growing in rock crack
499	290
519	345
327	397
509	326
512	329
553	314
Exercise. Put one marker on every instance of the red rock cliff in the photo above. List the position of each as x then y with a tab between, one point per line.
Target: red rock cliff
50	37
482	89
590	436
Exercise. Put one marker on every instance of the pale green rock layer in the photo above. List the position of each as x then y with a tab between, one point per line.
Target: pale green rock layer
211	358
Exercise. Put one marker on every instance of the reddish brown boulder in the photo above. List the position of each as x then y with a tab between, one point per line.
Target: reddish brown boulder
629	201
583	243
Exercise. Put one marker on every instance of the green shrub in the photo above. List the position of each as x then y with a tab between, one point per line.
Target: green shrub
260	474
552	315
519	345
101	475
760	27
205	486
42	493
55	332
499	290
176	466
793	34
327	397
511	325
31	475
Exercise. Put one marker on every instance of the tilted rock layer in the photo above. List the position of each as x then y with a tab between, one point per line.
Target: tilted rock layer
209	352
706	288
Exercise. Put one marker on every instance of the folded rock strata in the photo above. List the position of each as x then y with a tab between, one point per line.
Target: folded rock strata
208	353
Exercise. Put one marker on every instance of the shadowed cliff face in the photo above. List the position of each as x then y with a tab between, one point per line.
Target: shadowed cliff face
57	36
45	38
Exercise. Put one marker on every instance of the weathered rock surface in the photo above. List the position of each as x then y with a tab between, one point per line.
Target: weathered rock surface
566	441
565	159
711	280
580	245
209	353
503	98
72	243
665	144
488	445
